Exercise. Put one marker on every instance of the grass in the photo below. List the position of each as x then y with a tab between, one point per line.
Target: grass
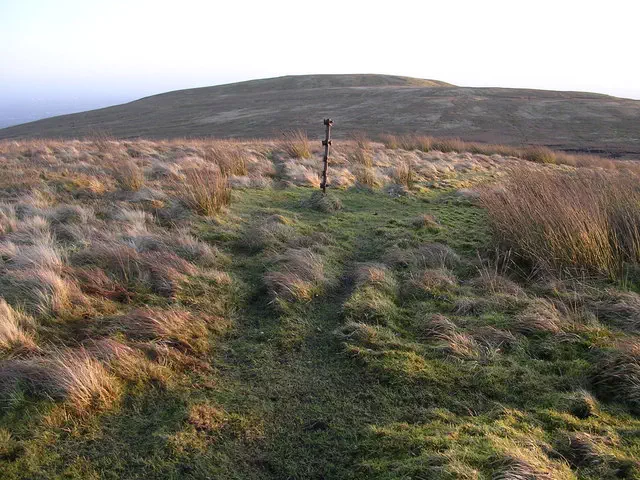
296	144
531	153
574	220
275	339
204	191
128	175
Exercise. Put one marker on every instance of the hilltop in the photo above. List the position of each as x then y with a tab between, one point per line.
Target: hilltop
572	121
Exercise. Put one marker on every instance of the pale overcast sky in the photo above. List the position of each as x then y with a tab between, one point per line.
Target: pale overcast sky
111	51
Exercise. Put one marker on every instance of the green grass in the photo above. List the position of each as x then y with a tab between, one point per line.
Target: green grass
288	396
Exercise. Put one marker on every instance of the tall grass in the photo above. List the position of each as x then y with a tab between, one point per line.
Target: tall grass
230	159
204	191
296	144
579	221
532	153
128	175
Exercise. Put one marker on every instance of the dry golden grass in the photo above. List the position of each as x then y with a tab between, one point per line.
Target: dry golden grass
40	291
361	156
558	221
178	328
369	336
228	157
296	144
13	337
269	233
71	375
204	191
533	153
206	418
128	175
539	155
376	275
366	177
514	468
361	140
437	326
403	174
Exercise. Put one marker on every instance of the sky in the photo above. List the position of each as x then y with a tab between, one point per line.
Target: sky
70	55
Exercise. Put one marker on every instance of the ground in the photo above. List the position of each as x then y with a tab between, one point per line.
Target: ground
370	334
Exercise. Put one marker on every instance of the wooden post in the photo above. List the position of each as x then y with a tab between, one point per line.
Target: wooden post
326	143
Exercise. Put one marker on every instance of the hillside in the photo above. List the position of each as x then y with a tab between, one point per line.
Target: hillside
372	103
195	309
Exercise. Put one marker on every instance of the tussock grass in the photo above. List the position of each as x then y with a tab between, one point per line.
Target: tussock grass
465	305
296	144
460	345
495	283
430	283
161	271
494	338
194	250
532	153
40	291
326	203
361	156
13	337
8	219
204	191
126	362
617	374
207	418
583	449
427	255
70	215
541	316
71	375
436	255
403	174
298	275
271	232
369	336
128	175
361	140
230	159
39	255
427	221
376	275
580	221
539	155
436	326
175	327
367	177
449	339
620	308
447	145
514	468
371	306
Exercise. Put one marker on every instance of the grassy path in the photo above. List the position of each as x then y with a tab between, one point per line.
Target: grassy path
315	406
313	401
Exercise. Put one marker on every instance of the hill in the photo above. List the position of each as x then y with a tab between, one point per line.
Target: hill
376	104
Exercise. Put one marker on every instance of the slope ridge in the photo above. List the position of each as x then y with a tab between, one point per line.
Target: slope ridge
576	121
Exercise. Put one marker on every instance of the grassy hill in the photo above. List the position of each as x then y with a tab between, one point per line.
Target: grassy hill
195	309
372	103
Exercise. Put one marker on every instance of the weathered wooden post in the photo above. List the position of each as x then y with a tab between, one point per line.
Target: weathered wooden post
326	143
